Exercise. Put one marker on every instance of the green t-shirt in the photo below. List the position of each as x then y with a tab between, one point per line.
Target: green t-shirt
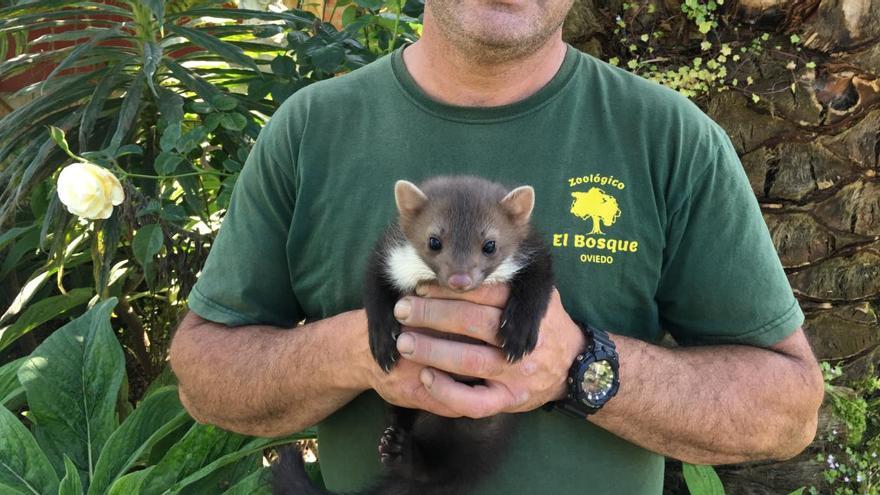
648	214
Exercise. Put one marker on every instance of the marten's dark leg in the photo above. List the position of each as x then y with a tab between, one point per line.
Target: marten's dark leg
383	328
398	450
530	291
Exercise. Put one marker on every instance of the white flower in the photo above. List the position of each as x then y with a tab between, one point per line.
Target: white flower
89	191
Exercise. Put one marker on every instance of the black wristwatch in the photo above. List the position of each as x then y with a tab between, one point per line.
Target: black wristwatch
593	378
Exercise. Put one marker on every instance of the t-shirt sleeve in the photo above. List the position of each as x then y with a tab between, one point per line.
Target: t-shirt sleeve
722	281
246	279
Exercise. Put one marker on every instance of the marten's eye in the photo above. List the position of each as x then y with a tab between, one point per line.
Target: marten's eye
434	244
489	247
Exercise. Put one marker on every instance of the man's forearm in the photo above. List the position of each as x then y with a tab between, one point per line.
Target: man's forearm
267	381
715	405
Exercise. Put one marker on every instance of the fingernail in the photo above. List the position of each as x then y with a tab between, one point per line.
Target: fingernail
422	290
405	344
427	378
402	309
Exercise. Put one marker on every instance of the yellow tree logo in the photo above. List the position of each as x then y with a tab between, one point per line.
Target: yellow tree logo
595	204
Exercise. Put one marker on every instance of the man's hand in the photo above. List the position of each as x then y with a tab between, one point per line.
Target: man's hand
522	386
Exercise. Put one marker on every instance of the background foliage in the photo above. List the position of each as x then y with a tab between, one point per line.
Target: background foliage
170	96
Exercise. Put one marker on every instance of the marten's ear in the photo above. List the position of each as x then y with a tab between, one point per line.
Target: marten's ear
519	204
410	199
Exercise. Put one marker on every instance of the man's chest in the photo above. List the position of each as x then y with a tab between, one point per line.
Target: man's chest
597	208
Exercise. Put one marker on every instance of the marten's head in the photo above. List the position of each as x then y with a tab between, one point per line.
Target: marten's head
467	230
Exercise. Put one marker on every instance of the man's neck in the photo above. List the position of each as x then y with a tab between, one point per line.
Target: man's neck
447	75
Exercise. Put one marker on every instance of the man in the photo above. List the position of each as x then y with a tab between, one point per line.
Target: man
651	223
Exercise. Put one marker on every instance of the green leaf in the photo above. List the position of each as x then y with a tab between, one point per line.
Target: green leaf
129	149
128	111
702	480
72	380
24	468
130	483
152	57
219	47
170	136
170	106
202	452
14	233
157	416
76	53
166	163
96	104
224	103
71	484
256	483
283	65
42	311
58	136
327	58
370	4
157	7
799	491
201	445
147	242
9	384
233	121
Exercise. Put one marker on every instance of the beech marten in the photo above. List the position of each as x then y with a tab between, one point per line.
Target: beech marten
459	232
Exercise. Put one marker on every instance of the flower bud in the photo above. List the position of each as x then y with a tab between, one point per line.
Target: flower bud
89	191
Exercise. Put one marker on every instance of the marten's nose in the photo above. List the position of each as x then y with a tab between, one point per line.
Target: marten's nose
459	281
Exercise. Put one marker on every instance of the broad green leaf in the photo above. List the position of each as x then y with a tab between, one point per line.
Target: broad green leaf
170	136
283	65
219	47
253	447
129	149
24	248
165	379
201	445
233	121
170	106
128	111
130	484
370	4
256	483
224	102
42	311
147	242
166	163
72	380
799	491
152	57
702	480
23	466
327	58
9	383
71	484
158	415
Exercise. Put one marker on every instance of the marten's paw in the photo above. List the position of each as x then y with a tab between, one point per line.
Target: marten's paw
394	445
518	330
383	342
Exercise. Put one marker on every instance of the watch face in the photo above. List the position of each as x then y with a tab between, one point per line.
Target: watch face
598	380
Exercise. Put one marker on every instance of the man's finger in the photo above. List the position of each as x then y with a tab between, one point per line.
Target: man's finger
459	358
477	401
460	317
486	294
